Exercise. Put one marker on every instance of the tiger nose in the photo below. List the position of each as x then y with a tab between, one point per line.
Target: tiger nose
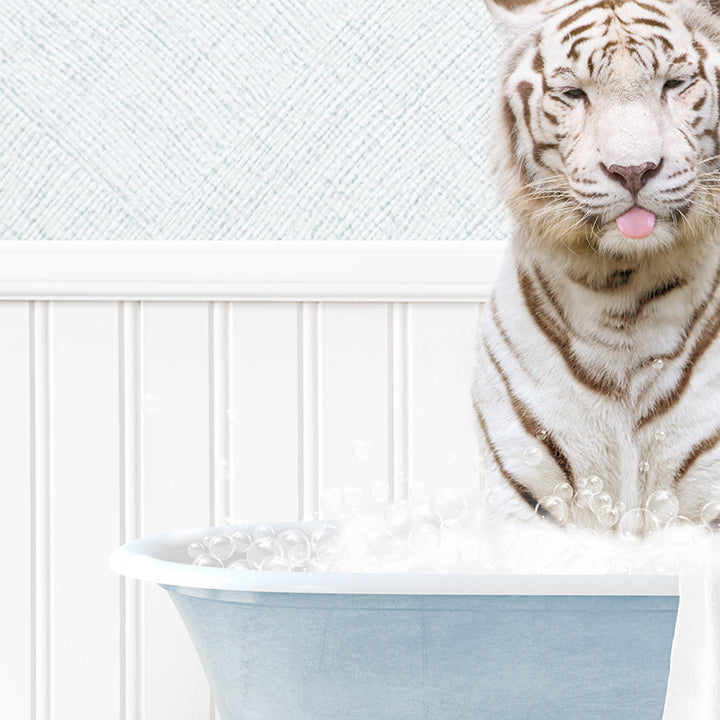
632	177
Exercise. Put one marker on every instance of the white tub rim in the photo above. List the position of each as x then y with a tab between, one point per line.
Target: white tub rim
158	558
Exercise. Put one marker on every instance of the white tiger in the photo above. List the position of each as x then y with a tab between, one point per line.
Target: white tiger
598	354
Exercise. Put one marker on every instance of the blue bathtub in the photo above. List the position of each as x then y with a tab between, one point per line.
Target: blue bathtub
330	646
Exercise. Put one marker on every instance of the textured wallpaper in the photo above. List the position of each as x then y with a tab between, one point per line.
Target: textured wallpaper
246	120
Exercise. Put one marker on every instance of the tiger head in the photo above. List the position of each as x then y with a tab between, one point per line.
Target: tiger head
609	113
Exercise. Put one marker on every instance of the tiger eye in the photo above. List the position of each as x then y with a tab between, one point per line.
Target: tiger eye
672	84
574	93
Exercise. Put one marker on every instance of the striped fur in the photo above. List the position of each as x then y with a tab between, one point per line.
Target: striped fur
603	352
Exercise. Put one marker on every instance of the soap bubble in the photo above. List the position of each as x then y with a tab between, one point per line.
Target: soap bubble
241	541
581	563
379	491
221	546
446	558
259	550
299	555
354	542
608	517
239	565
637	525
151	404
423	513
600	502
324	534
262	531
325	542
353	496
680	530
532	456
403	482
658	364
289	539
331	501
223	469
494	496
556	507
586	538
379	540
207	560
195	549
594	484
424	538
583	498
564	491
397	547
273	563
397	513
624	566
506	566
667	564
420	492
470	548
710	515
541	435
371	564
233	417
449	504
362	450
479	465
644	466
659	436
664	505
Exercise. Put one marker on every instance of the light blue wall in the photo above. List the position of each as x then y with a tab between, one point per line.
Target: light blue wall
246	120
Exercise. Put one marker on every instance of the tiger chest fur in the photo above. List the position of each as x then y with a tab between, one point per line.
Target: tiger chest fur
599	351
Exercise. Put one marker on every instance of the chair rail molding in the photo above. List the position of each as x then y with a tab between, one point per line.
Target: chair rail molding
350	271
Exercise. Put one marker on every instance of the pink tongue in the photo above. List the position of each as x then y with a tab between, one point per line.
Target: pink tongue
636	223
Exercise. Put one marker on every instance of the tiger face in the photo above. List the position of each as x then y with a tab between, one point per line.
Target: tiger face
609	124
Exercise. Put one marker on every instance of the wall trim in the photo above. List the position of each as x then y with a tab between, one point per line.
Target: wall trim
246	270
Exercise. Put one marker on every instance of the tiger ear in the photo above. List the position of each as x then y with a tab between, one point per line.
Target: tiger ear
517	14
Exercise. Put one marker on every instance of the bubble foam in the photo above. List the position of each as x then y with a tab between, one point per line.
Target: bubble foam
439	531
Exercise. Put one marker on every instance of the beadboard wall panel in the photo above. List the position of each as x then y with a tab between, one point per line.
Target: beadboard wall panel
261	413
443	448
18	603
354	390
83	508
125	416
176	488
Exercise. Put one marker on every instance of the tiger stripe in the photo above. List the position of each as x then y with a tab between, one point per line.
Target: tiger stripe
560	339
522	492
667	401
532	425
694	455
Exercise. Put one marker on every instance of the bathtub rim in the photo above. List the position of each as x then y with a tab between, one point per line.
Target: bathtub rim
157	558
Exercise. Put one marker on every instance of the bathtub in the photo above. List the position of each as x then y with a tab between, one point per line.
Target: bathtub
331	646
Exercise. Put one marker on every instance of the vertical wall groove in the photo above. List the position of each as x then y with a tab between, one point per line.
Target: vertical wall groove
130	506
221	450
409	385
399	455
309	408
41	472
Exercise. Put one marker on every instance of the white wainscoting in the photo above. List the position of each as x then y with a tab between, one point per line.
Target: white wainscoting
150	386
